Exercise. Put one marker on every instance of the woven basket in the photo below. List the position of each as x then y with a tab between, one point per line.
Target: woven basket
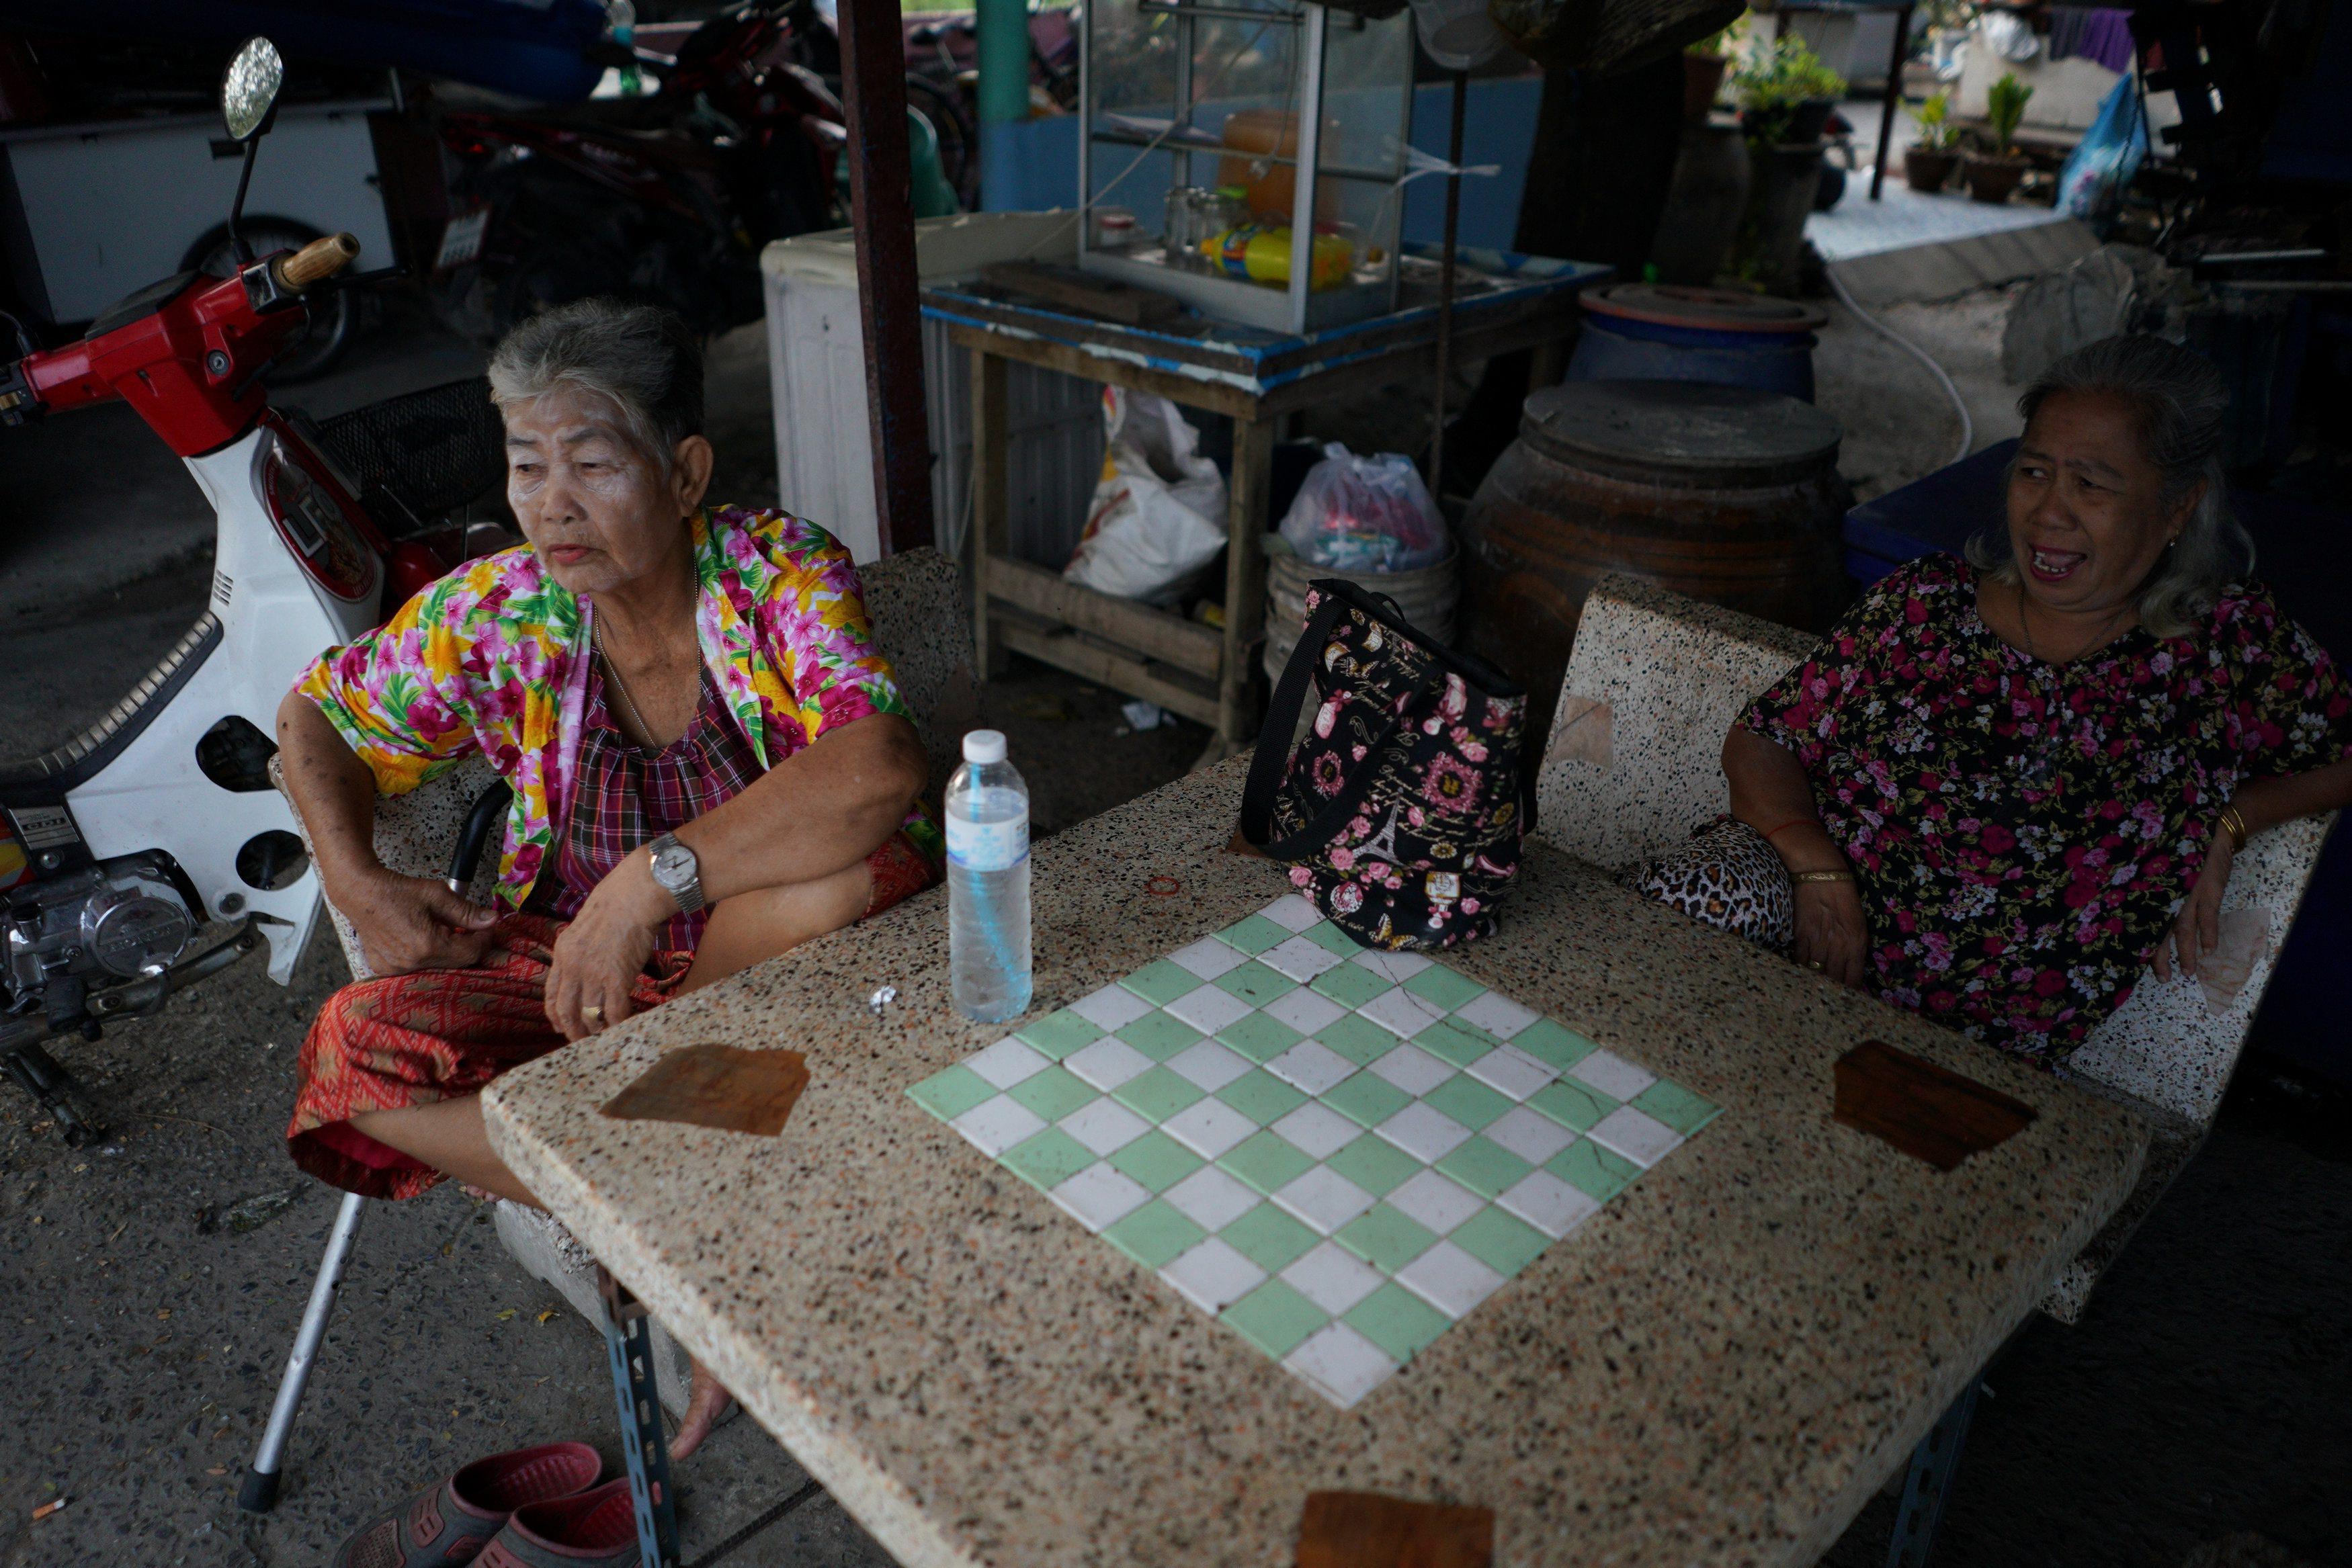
1426	596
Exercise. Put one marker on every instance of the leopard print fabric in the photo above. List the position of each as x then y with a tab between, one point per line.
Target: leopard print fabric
1729	877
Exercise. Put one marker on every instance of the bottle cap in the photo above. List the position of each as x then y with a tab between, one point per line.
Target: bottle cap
983	746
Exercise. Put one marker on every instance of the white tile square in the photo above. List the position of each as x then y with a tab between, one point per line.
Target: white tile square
1411	1069
1397	967
1293	913
1213	1275
1548	1204
1341	1364
1318	1130
1512	1072
1107	1063
1496	1014
1211	1200
1331	1277
1208	959
1435	1202
1612	1074
1209	1064
1104	1126
1006	1063
1312	1066
1209	1127
1424	1131
1449	1279
1100	1195
1533	1138
1300	960
1644	1140
1304	1010
1323	1198
1209	1008
1111	1007
1401	1013
995	1125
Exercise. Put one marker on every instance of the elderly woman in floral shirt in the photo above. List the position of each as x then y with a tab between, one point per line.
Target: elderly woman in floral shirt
711	762
2005	786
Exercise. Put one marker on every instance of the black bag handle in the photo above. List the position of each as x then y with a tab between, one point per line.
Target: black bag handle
1282	722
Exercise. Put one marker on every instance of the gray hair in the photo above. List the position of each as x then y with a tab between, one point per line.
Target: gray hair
2179	405
641	359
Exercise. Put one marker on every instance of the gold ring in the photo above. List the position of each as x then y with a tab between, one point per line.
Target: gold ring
1814	964
594	1011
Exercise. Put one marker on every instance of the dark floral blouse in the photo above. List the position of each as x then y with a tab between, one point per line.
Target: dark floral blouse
2023	833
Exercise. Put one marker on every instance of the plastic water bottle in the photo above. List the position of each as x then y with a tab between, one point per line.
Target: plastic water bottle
988	882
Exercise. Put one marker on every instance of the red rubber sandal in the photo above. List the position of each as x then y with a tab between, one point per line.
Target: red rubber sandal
594	1530
449	1523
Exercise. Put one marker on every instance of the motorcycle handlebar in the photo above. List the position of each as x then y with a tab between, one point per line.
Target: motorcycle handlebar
316	261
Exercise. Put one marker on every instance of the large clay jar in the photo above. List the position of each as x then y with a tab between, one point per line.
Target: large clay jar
1726	493
1705	202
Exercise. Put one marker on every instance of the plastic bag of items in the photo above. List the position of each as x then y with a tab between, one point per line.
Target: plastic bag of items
1159	511
1365	514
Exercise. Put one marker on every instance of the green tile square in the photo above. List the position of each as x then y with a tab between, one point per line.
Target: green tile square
1158	1094
1503	1242
1468	1101
1593	1170
950	1094
1351	985
1261	1096
1155	1235
1385	1239
1331	939
1048	1159
1255	984
1259	1037
1158	1035
1555	1045
1156	1162
1162	982
1269	1237
1058	1033
1267	1161
1275	1318
1457	1043
1366	1100
1396	1319
1444	987
1359	1040
1676	1106
1054	1093
1572	1104
1486	1169
1254	936
1374	1164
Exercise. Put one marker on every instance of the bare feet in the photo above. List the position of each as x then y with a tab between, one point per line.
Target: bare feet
708	1403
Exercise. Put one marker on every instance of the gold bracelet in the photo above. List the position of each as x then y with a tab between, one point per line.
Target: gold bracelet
1820	876
2234	820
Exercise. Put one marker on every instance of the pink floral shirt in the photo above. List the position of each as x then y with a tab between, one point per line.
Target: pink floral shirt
492	660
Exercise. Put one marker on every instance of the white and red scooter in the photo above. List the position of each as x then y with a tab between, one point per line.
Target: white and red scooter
119	847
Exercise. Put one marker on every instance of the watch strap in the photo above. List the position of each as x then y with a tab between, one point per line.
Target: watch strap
689	896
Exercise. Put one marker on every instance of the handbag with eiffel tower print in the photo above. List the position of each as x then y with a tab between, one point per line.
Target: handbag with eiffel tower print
1400	809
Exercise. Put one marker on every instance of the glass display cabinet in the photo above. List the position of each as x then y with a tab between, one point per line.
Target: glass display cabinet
1245	155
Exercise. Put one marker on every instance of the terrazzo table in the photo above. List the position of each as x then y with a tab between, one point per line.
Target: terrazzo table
1720	1367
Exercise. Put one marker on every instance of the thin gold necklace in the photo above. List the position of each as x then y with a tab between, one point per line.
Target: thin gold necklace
621	687
2025	624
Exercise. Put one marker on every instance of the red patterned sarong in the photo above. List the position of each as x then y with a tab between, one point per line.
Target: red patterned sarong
439	1034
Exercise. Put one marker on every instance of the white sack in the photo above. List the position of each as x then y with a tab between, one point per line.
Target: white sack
1159	512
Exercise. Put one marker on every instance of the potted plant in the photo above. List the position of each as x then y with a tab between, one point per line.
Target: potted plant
1786	95
1933	153
1990	177
1703	67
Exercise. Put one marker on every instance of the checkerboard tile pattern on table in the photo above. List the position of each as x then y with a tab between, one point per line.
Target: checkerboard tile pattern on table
1337	1153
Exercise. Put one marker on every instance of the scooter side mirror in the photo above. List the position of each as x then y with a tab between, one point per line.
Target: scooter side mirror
250	88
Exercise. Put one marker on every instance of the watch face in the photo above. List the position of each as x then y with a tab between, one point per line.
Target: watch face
673	864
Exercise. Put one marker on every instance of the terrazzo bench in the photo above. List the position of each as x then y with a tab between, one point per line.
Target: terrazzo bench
921	623
1634	763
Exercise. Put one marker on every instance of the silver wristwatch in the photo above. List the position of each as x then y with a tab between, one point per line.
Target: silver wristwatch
679	873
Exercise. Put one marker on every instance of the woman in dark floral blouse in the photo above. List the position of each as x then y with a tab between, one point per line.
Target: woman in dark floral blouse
2004	786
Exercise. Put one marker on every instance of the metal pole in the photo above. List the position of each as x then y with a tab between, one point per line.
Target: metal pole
1310	163
259	1494
882	214
1445	284
1893	96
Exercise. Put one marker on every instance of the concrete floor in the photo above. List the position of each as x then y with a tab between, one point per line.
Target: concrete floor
2196	1415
